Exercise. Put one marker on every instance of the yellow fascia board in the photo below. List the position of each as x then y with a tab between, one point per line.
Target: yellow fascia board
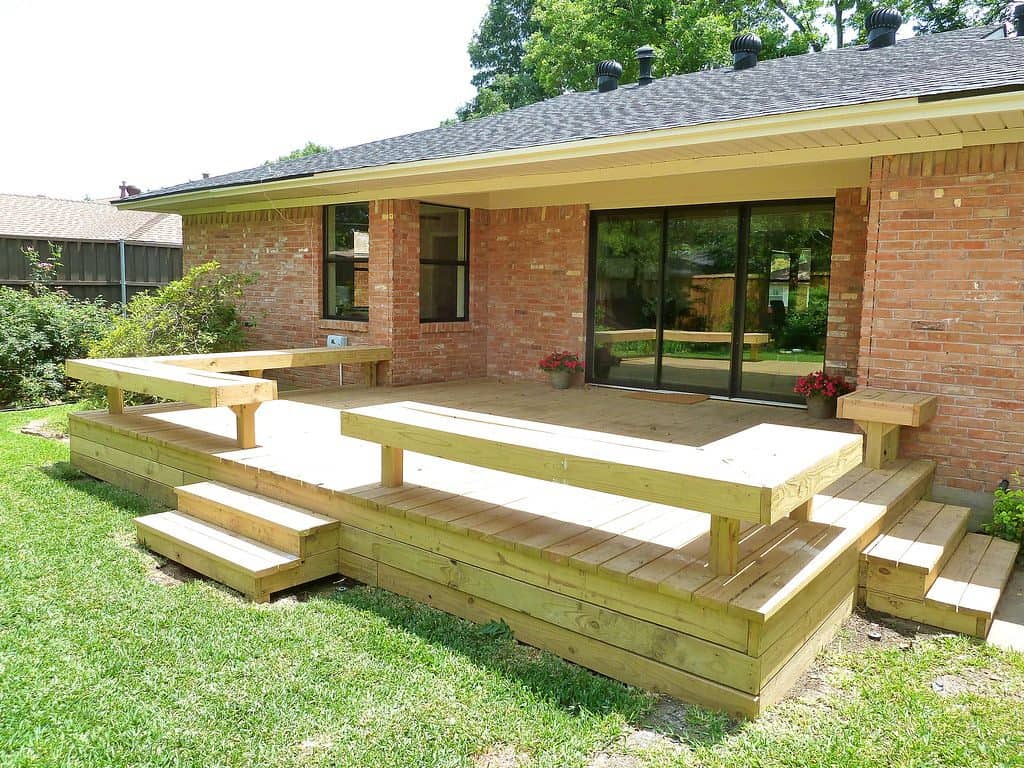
862	115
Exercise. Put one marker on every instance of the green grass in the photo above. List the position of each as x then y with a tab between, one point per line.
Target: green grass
101	666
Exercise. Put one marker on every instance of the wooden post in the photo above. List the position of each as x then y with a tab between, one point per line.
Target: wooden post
882	442
371	373
725	545
256	374
391	460
804	511
115	400
245	424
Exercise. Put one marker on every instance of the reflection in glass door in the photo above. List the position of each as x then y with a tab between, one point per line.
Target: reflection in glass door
729	300
627	271
699	299
786	311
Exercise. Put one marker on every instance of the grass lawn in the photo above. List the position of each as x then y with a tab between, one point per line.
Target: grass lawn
101	664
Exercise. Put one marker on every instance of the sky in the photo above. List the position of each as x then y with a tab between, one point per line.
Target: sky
157	92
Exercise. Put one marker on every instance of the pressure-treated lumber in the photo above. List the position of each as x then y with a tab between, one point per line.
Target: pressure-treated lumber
279	358
880	413
758	475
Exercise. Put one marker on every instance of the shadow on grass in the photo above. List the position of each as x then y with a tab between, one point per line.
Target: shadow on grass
491	646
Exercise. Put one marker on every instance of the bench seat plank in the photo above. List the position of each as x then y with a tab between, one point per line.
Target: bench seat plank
759	475
279	358
203	388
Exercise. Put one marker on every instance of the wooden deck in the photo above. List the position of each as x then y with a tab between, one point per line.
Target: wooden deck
618	585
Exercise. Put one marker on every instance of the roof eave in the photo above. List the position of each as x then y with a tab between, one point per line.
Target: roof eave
857	115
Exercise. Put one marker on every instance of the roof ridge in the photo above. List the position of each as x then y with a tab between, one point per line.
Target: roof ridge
57	199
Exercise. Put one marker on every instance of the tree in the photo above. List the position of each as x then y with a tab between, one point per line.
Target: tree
496	51
311	148
688	34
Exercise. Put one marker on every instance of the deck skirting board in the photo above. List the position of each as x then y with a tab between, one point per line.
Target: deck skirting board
698	650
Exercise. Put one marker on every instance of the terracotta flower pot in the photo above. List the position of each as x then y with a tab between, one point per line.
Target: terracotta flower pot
821	407
560	379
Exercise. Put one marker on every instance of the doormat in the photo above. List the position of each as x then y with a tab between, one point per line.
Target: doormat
680	398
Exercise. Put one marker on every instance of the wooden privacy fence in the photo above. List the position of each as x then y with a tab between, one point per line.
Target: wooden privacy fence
92	269
207	381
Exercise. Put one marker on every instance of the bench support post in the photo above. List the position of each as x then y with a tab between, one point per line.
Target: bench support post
803	512
725	545
256	374
245	424
115	400
882	442
391	461
371	374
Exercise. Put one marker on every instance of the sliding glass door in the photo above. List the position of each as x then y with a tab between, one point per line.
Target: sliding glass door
728	300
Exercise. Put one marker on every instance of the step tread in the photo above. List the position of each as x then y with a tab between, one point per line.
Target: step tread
975	575
280	514
919	540
251	556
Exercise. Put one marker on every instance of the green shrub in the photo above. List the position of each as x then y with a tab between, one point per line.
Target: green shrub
39	330
193	315
1008	512
806	328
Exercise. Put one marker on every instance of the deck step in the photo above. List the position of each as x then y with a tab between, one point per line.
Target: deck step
964	596
223	556
906	559
975	576
262	519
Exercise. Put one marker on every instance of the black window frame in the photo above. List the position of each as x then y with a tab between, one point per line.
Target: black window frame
327	213
744	210
449	263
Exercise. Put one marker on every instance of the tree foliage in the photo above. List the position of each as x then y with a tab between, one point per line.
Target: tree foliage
310	148
193	315
528	50
502	79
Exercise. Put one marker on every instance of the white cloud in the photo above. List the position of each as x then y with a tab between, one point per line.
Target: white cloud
158	92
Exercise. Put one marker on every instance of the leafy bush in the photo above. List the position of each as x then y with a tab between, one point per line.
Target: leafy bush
806	328
39	330
1008	512
193	315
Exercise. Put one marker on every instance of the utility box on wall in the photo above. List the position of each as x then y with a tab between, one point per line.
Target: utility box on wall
337	340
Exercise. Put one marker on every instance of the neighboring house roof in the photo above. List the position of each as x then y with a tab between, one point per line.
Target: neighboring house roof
929	65
49	218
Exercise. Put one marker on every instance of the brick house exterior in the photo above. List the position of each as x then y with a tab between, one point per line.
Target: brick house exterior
920	150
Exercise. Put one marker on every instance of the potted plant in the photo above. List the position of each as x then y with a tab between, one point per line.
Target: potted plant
821	392
560	367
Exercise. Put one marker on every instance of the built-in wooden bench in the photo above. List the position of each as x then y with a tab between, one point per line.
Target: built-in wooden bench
759	475
204	380
880	413
754	340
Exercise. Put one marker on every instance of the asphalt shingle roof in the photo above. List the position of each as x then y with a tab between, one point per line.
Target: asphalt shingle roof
928	65
40	217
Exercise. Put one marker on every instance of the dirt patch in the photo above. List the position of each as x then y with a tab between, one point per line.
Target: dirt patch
608	760
501	756
45	428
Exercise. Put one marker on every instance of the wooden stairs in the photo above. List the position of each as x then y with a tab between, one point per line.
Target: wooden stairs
926	568
247	541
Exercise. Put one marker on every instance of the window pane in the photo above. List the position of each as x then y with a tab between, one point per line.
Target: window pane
787	297
700	290
443	263
628	267
346	261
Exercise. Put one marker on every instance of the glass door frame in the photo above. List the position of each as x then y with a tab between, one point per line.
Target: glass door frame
744	211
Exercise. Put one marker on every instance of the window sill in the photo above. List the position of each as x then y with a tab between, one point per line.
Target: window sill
361	326
453	326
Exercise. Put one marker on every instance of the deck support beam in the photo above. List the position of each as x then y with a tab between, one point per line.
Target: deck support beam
245	424
725	545
115	400
882	442
371	373
391	466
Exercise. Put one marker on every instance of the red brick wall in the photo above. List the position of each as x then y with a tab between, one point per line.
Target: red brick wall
536	285
423	352
944	285
849	247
